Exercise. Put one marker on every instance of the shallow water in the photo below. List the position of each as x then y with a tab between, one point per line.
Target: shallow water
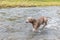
13	26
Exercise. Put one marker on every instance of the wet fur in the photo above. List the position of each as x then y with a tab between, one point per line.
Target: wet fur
37	22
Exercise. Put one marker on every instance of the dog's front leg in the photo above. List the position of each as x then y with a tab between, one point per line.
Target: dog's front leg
35	27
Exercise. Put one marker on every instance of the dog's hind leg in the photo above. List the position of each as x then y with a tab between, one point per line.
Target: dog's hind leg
44	25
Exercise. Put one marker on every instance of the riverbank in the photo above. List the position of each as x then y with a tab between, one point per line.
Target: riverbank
20	3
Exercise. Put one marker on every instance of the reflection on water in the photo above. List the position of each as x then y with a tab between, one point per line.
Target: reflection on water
13	26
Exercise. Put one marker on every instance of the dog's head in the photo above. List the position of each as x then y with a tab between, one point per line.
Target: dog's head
30	20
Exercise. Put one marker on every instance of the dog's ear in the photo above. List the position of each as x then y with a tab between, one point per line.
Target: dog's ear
33	20
29	19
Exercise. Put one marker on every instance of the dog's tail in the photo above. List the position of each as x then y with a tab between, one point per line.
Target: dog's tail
49	19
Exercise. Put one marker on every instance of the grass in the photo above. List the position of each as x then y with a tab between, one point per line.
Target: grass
28	3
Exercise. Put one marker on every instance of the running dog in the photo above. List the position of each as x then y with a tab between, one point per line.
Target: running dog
37	22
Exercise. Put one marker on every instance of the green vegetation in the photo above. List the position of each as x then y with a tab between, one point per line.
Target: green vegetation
28	3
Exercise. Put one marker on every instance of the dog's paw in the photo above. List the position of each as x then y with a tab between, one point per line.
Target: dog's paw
34	29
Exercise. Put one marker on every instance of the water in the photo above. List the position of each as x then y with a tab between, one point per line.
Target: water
13	26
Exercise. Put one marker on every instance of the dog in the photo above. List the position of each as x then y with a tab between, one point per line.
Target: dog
36	23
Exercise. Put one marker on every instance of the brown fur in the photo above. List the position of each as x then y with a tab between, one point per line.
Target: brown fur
37	22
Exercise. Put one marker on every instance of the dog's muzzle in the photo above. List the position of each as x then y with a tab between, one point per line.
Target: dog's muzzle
27	21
